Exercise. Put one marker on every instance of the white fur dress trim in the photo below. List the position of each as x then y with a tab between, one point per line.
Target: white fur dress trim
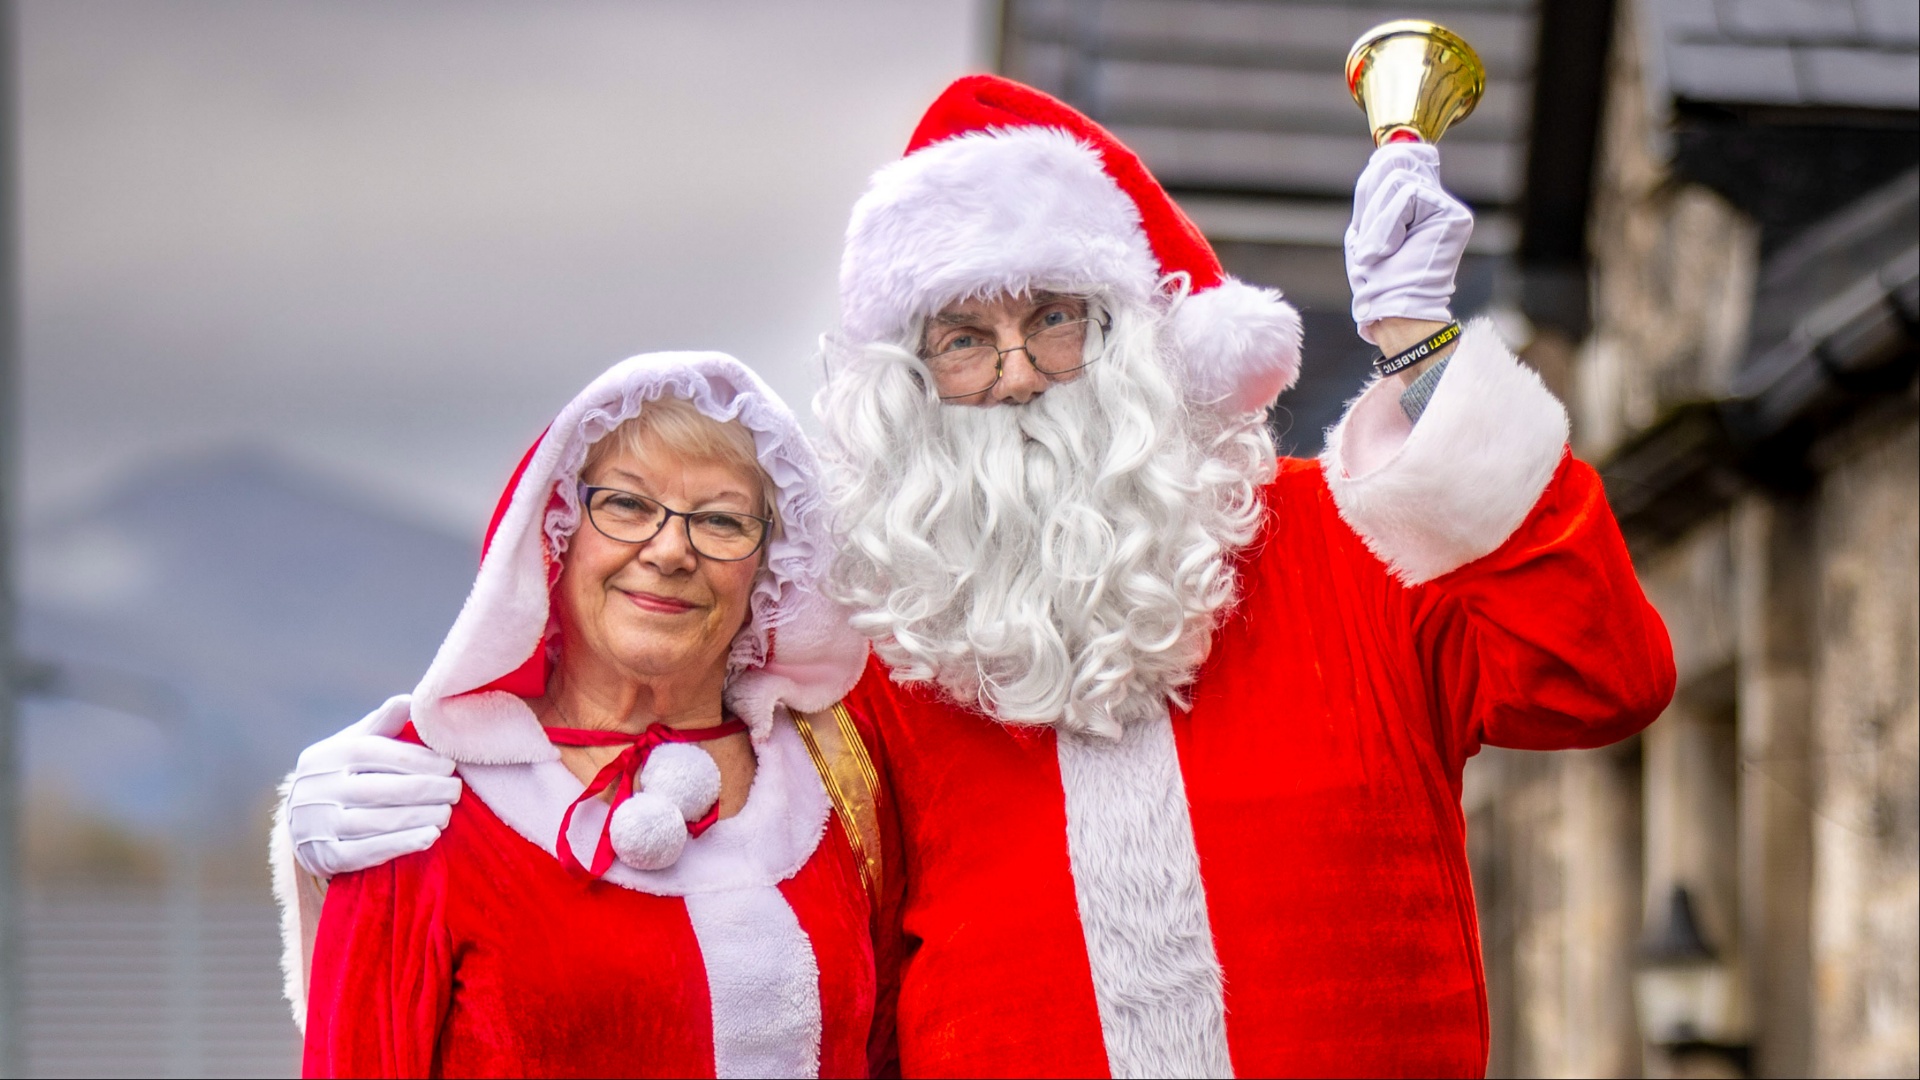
1431	497
1143	909
762	980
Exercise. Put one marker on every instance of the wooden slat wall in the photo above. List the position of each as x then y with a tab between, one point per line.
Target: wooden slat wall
127	983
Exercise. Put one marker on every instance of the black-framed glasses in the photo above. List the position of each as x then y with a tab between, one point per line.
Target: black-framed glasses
1060	349
720	535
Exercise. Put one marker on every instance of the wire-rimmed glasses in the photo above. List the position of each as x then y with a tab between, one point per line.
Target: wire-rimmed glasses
628	518
1060	349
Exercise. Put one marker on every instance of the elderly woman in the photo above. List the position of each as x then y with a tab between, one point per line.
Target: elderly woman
646	877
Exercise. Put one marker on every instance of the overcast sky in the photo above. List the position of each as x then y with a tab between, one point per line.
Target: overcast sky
391	239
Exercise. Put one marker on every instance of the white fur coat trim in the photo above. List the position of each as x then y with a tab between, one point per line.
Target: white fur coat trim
818	656
1431	497
763	983
1008	209
300	899
1143	909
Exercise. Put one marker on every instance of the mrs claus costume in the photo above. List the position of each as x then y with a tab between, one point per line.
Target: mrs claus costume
747	955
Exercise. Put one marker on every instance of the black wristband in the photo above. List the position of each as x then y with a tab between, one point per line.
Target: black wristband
1383	366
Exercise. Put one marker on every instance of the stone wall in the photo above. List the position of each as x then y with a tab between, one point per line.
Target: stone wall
1673	271
1555	843
1782	789
1866	740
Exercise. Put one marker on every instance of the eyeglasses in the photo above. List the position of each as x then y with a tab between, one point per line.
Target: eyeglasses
1060	349
720	535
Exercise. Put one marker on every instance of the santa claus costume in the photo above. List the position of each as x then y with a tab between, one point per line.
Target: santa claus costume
1259	869
747	955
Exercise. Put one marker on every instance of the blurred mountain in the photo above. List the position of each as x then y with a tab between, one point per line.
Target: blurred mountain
195	627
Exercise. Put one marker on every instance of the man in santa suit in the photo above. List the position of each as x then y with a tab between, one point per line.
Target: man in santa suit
1173	732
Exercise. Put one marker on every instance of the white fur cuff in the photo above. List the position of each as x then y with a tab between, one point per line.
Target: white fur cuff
1431	497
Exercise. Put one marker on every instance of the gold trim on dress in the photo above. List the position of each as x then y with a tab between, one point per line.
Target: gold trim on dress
847	772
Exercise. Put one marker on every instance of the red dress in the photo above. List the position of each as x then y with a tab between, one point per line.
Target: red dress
1320	768
483	956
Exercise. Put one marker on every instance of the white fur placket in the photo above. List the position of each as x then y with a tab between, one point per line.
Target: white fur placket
763	981
1143	909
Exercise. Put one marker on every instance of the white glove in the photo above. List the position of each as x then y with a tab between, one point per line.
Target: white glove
360	798
1406	238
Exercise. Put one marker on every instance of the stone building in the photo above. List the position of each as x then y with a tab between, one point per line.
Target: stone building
1699	218
1737	892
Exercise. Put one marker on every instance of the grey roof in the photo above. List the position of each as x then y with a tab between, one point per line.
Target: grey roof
1863	258
1846	53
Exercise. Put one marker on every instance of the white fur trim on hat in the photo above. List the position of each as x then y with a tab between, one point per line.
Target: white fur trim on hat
1240	344
1000	210
1430	497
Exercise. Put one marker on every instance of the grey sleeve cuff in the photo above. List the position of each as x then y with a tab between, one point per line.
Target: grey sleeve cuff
1413	400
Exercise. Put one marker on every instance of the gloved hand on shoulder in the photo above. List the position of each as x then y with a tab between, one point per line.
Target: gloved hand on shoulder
360	798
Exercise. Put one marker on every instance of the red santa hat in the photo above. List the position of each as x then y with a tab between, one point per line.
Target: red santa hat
1005	189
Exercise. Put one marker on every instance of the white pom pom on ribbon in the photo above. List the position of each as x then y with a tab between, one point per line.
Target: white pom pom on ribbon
648	831
685	776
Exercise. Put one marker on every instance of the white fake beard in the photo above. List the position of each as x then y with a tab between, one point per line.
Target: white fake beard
1062	562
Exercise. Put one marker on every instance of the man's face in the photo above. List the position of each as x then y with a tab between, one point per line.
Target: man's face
1006	350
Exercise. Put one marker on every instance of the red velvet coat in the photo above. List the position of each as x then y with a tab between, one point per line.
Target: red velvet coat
1321	762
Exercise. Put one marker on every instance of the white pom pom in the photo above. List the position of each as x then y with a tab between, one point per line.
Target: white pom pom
685	776
648	832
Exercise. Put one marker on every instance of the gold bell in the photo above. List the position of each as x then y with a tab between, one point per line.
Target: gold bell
1415	79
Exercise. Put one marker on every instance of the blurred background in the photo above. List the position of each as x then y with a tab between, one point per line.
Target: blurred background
297	282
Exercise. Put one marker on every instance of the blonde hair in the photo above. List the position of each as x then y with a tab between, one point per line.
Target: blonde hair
676	426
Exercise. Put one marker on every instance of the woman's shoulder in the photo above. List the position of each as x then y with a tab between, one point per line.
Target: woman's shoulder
470	824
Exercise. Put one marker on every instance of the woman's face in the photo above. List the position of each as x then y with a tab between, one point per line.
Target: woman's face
658	609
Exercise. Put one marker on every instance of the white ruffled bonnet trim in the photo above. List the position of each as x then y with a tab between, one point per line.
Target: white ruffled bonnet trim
797	648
